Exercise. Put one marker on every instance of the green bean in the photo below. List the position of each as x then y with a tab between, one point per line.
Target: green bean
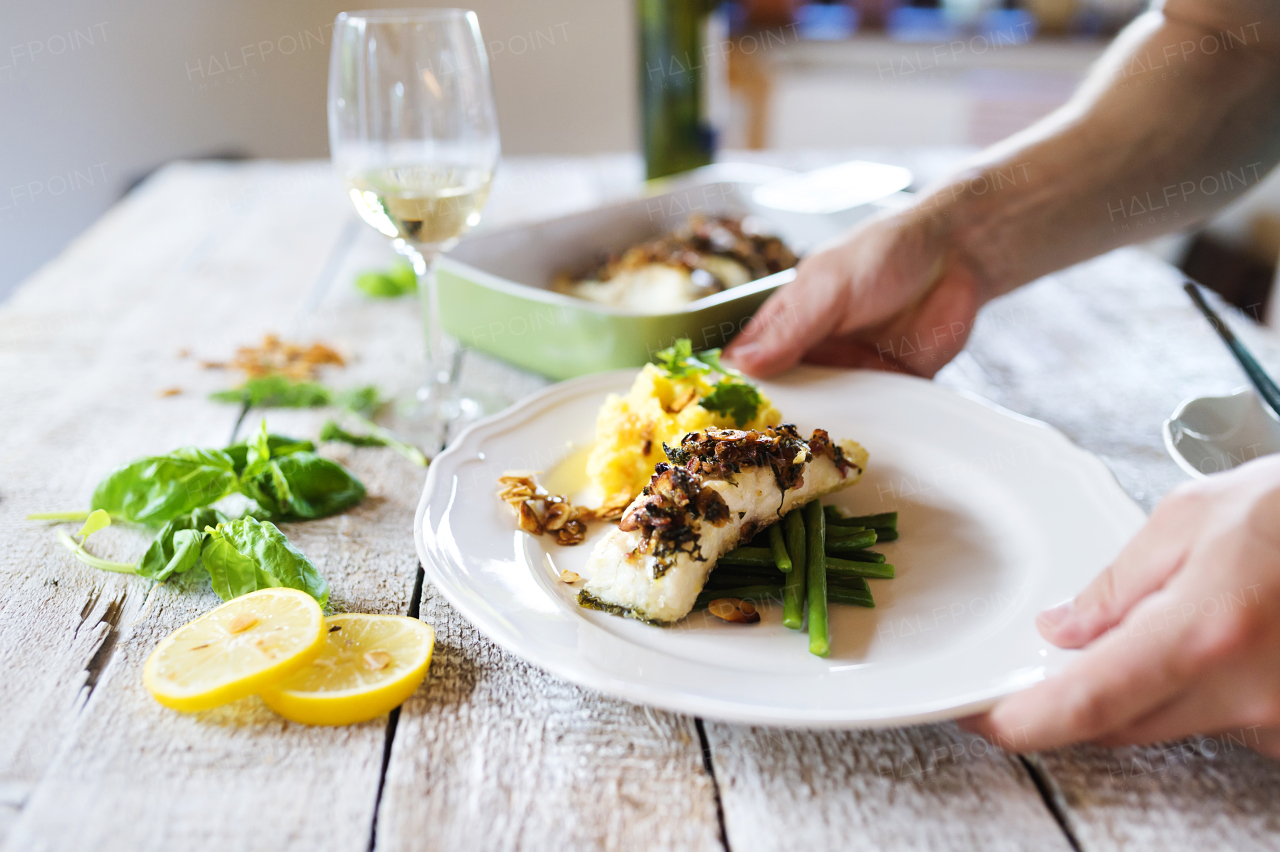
851	568
857	597
760	556
793	591
858	541
731	576
884	519
746	593
857	555
815	562
886	534
779	548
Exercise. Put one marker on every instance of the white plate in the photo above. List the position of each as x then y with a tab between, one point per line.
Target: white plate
1001	516
1210	434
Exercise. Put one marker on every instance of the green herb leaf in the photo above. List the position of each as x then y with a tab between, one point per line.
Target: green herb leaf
378	437
399	280
246	555
331	431
364	400
276	392
303	486
176	548
283	392
89	559
157	489
678	360
738	400
259	447
711	357
97	520
278	445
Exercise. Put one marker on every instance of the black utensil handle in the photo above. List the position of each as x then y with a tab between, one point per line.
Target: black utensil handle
1257	375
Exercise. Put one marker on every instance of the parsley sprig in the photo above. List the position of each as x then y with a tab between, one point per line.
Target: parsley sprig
731	396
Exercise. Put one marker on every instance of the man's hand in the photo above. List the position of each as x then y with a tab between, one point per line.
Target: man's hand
1182	631
894	294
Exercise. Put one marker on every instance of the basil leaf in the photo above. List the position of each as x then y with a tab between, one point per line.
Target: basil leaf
316	486
738	400
399	280
278	445
246	555
331	431
304	486
97	520
284	392
276	392
176	547
259	446
159	488
378	437
363	400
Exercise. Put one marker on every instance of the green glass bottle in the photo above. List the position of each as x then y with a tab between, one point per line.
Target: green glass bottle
683	48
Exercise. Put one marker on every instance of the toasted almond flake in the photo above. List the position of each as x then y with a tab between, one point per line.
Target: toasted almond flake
557	515
569	577
734	610
242	622
170	392
683	401
377	660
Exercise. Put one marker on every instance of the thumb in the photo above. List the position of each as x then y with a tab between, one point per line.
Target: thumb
1144	565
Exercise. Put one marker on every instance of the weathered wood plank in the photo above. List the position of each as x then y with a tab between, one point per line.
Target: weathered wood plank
1200	793
71	413
927	787
495	754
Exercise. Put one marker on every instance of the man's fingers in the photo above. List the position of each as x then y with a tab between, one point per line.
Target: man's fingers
800	314
850	353
1126	675
1143	566
1194	712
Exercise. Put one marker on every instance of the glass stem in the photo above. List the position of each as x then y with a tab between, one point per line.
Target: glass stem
439	356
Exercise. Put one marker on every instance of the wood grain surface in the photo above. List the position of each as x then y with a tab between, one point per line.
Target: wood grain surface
492	753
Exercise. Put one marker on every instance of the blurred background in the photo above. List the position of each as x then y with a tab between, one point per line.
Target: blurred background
99	94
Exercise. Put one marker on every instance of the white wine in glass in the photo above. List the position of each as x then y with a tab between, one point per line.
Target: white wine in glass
414	136
425	205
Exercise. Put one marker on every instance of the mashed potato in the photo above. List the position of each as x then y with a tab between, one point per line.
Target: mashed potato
631	429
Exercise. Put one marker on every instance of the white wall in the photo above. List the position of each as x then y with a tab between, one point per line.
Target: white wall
95	94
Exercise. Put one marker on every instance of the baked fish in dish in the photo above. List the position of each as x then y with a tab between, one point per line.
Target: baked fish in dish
719	489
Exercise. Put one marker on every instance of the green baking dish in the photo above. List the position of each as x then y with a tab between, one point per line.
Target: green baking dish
494	293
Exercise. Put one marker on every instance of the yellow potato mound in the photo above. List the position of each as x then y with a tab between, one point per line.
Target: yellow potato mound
631	429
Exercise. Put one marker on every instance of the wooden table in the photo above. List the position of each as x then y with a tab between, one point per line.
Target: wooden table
492	753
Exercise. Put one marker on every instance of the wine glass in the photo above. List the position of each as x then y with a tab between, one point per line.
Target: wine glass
414	137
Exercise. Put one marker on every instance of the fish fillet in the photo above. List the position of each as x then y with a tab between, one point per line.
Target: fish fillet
719	489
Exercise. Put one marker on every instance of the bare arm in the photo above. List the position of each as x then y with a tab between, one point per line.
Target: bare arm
1180	116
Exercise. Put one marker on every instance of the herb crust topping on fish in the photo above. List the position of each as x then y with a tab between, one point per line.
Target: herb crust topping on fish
720	487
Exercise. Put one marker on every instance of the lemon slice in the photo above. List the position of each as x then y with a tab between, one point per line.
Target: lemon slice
236	650
370	665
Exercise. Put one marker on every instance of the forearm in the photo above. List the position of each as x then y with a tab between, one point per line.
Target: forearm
1181	116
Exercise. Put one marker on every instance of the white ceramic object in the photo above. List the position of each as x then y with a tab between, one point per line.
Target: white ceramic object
1001	517
1210	434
